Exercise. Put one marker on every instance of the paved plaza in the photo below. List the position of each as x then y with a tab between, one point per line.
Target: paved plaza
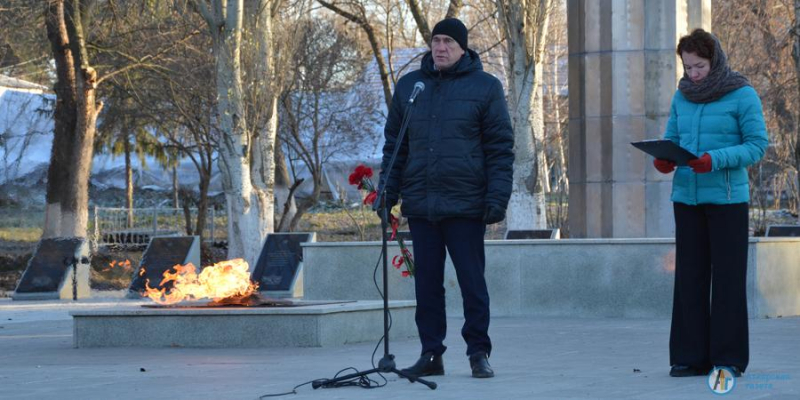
534	357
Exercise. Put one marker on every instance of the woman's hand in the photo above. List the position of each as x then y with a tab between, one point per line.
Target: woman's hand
701	165
664	166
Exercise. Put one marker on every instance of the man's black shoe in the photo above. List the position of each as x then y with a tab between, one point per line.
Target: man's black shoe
480	365
427	365
680	371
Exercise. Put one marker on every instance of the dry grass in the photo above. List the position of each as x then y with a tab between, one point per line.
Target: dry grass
20	234
341	225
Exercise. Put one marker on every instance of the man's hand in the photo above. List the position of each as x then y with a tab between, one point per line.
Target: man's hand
493	215
664	166
702	164
379	210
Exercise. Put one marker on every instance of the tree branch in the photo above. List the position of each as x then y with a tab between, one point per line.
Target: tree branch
143	60
422	22
454	8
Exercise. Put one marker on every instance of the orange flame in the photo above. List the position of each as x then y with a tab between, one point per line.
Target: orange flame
125	265
221	280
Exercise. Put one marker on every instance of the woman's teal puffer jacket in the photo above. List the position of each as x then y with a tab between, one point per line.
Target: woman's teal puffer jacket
732	131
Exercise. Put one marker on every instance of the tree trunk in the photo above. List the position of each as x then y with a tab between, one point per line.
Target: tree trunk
263	149
202	204
538	128
454	8
175	186
75	209
64	117
248	219
563	179
187	211
796	57
75	205
77	78
206	159
526	208
525	26
282	195
128	181
235	143
309	202
421	19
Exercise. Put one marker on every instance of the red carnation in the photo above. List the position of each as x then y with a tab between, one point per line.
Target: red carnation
361	178
363	171
354	179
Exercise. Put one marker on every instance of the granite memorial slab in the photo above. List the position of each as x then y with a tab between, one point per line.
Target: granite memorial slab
533	234
59	269
163	253
279	269
783	231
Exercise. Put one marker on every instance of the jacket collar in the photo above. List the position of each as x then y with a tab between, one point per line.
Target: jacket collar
469	62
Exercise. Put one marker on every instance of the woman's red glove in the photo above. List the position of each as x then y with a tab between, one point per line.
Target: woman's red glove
664	166
701	165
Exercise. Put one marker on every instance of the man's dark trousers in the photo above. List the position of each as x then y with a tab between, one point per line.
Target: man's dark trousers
463	239
709	314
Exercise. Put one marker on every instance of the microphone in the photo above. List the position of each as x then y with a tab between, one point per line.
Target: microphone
419	87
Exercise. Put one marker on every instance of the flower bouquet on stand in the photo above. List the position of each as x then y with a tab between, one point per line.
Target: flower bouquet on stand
361	178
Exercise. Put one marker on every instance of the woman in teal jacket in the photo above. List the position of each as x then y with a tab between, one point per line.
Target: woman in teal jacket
717	115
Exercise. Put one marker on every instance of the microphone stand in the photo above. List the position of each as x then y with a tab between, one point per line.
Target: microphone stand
386	364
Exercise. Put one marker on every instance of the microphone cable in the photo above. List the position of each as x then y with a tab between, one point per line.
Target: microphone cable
362	381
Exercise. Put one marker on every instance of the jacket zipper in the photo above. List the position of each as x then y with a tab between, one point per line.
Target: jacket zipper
728	182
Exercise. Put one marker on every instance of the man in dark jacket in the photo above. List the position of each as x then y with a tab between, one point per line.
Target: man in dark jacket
453	172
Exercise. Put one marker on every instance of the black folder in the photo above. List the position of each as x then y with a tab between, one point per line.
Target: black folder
665	150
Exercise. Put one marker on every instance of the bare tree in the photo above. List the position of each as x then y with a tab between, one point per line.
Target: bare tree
24	49
79	31
245	164
124	132
75	116
758	36
264	64
555	102
421	19
356	12
284	190
324	113
796	58
181	104
525	26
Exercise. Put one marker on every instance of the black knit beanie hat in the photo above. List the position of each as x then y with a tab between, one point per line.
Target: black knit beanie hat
454	28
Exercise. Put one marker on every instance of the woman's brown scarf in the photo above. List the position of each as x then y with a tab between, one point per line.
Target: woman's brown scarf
720	80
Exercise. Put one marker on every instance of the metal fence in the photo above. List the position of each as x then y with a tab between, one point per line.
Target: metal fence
137	226
21	217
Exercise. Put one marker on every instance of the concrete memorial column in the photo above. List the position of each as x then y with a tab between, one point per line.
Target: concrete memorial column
623	71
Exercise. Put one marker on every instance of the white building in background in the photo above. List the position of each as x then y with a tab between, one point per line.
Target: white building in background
26	138
26	130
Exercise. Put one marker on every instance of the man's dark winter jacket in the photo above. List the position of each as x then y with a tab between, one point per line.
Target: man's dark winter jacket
457	156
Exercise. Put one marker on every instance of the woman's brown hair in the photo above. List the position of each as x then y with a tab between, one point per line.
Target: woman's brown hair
699	42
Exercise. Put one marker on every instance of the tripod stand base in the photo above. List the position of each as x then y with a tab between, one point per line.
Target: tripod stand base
385	365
